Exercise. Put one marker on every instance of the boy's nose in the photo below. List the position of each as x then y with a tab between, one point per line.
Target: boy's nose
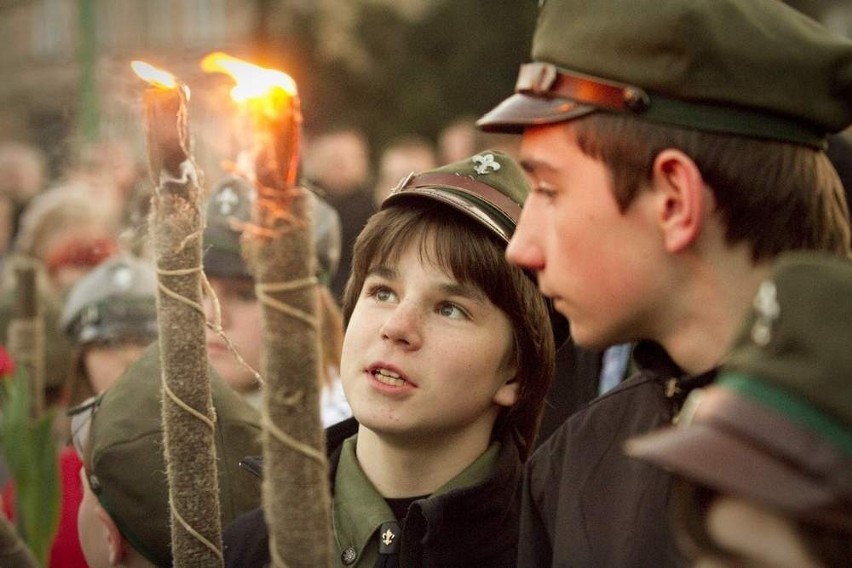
403	327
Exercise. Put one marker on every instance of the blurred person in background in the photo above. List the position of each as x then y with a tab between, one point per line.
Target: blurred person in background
402	156
124	516
458	139
68	230
338	163
228	212
22	176
64	232
110	316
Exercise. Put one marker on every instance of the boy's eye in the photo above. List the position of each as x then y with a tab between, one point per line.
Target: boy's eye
380	293
383	294
451	310
544	192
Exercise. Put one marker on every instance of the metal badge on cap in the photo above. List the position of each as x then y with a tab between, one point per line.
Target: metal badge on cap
226	200
767	311
485	161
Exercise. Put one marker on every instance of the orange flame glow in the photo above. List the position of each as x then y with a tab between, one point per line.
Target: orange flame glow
153	75
252	81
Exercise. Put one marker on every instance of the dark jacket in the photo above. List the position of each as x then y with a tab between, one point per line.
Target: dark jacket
587	504
471	526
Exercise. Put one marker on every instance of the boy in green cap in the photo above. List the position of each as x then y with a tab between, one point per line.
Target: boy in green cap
237	309
675	147
764	456
447	358
123	519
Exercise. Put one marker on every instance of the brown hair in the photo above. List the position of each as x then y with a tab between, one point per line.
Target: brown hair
775	196
473	255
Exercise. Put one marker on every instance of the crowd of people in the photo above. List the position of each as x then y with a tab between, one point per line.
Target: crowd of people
607	323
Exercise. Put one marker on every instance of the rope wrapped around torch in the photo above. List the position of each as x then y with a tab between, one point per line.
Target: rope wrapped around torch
279	250
187	405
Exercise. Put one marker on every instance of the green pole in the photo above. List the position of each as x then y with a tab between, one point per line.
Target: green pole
89	115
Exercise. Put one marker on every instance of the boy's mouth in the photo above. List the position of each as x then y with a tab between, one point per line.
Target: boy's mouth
388	377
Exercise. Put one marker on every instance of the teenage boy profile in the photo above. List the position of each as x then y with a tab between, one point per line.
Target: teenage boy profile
675	148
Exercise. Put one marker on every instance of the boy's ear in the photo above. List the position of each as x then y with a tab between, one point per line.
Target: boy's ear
116	544
682	199
507	394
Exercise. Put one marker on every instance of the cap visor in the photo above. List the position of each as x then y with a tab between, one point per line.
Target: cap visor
520	111
456	202
731	464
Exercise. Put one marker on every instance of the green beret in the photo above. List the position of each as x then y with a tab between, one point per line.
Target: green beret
755	68
124	462
776	426
490	188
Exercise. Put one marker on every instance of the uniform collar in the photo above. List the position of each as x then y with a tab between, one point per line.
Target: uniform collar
359	510
652	357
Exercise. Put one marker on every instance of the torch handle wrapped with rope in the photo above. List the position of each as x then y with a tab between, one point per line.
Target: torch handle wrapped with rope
295	487
187	408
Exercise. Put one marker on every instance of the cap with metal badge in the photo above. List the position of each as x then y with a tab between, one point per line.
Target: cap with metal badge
229	209
776	426
490	188
758	69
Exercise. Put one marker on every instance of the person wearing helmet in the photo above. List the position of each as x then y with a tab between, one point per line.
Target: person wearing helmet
110	316
447	357
228	211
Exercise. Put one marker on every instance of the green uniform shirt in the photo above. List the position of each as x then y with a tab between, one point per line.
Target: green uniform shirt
359	509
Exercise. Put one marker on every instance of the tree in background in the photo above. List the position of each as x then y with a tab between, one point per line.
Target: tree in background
393	70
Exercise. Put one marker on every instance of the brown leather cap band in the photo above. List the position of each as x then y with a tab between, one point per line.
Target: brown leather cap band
479	190
546	94
545	80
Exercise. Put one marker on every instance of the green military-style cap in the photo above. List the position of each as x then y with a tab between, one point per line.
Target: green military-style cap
229	210
776	426
490	188
756	68
120	437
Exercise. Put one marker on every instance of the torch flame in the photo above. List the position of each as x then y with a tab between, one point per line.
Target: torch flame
252	81
153	75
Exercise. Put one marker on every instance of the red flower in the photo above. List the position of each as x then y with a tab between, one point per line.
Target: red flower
7	364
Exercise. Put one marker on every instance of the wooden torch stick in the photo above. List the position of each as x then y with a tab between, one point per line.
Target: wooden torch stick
26	334
279	249
187	404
